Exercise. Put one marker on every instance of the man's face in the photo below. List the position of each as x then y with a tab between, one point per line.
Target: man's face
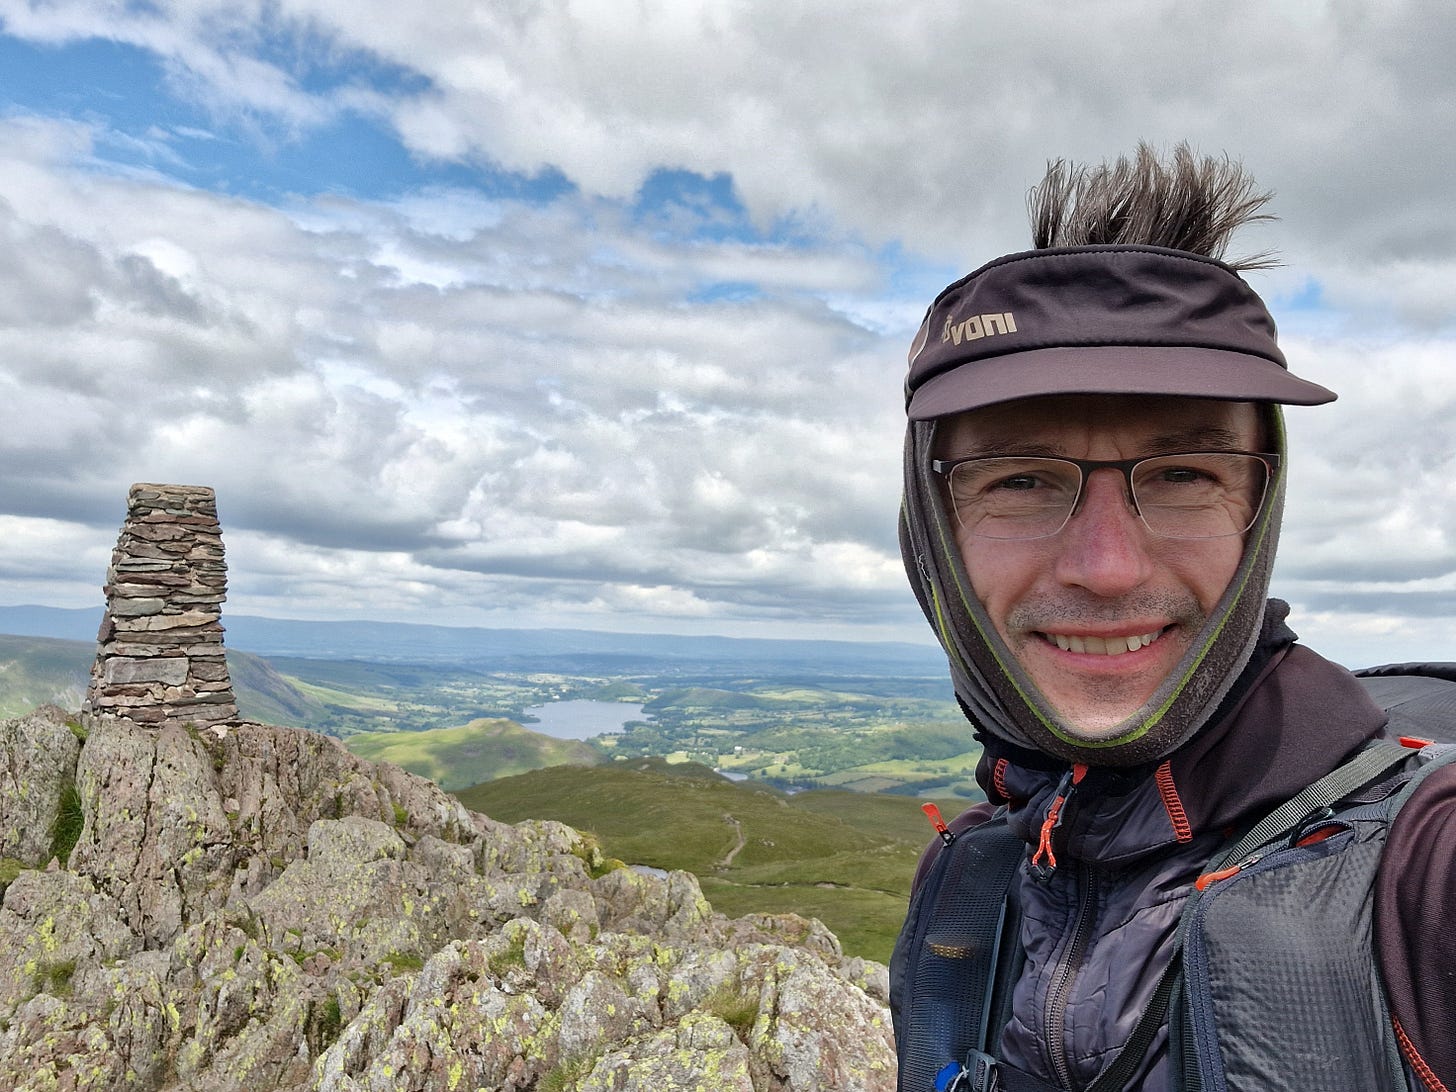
1068	605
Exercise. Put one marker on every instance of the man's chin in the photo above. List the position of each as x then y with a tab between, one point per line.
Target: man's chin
1083	717
1083	733
1095	698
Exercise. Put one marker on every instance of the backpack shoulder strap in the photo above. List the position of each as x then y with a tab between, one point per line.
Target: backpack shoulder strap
947	973
1371	762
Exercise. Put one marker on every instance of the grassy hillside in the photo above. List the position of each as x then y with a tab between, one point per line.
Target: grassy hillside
846	858
37	671
480	751
264	695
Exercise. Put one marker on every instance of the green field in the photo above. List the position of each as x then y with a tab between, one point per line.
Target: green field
845	858
455	758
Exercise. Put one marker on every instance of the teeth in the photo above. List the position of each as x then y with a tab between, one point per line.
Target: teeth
1103	646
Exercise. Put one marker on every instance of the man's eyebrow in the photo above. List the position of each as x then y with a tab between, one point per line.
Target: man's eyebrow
1195	438
1008	447
1201	438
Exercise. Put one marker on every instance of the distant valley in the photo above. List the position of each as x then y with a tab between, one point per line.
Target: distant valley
870	731
875	717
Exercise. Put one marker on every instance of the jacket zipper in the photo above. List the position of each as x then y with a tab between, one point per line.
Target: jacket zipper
1043	866
1060	993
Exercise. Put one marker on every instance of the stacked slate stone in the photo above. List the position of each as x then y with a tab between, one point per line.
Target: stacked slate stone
159	655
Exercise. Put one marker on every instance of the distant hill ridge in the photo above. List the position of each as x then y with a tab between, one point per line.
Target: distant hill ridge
37	671
409	642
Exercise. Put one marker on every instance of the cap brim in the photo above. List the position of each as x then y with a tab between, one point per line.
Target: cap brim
1185	371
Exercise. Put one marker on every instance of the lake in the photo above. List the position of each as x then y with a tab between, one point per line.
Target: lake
581	719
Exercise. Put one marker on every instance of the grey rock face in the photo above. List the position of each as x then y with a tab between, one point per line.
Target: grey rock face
251	907
37	766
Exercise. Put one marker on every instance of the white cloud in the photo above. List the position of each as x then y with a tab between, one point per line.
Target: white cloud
495	407
450	398
920	123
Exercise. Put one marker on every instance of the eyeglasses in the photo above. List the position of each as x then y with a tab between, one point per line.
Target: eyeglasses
1191	495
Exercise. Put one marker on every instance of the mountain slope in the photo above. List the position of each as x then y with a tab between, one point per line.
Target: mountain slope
36	671
455	758
845	858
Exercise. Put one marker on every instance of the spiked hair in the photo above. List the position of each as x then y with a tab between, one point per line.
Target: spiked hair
1186	203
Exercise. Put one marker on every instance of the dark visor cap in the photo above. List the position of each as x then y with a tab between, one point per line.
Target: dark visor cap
1099	320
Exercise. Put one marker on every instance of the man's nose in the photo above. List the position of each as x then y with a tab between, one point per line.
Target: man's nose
1104	547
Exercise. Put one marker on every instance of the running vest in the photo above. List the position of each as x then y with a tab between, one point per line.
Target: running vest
1273	985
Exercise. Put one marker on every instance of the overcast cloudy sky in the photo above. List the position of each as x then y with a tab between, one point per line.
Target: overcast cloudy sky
560	312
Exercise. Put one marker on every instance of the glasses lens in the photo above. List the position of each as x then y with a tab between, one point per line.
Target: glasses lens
1199	495
1014	498
1204	495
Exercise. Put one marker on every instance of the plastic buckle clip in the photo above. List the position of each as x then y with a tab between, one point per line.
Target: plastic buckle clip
981	1068
977	1074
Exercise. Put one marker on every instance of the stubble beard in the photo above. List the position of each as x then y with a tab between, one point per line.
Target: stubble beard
1100	703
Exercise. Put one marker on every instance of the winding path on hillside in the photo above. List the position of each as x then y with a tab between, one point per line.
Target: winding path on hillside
737	829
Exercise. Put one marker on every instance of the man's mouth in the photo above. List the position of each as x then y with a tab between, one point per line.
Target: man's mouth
1102	646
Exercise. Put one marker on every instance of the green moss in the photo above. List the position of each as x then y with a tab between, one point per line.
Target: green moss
53	976
735	1008
401	816
77	729
300	956
247	924
589	850
333	1020
9	869
323	1024
404	961
567	1073
514	955
66	829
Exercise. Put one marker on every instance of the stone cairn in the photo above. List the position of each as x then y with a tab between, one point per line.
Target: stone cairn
159	656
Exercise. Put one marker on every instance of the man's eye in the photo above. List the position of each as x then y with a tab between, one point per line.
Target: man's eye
1017	483
1183	475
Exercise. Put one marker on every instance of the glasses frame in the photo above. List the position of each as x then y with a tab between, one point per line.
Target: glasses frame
1125	467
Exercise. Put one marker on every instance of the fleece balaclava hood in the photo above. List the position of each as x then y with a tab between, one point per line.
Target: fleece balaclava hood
1090	320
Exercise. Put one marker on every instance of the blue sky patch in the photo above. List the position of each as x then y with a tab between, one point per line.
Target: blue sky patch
124	92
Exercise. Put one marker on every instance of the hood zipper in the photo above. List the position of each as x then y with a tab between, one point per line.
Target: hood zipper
1044	860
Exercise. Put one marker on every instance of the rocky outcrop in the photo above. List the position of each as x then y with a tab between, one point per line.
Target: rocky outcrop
246	907
188	901
159	657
